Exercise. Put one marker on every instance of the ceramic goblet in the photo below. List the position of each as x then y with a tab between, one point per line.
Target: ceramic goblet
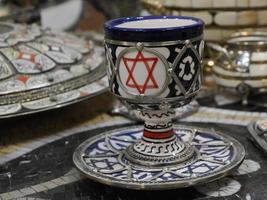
154	66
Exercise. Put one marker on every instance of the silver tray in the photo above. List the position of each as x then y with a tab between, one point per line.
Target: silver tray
41	69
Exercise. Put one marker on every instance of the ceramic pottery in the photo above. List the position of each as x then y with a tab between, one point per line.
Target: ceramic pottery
154	66
102	158
41	69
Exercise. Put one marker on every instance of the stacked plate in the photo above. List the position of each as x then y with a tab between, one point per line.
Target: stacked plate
41	69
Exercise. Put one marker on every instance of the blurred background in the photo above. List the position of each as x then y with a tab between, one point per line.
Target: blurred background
67	14
38	147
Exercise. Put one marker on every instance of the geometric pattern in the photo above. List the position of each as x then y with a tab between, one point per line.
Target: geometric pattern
102	158
186	68
131	80
182	61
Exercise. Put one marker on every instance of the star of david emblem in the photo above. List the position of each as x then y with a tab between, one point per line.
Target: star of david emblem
148	64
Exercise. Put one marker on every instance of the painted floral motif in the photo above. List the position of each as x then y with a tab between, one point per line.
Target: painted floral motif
70	40
11	86
37	81
36	61
60	54
5	69
14	34
60	75
9	109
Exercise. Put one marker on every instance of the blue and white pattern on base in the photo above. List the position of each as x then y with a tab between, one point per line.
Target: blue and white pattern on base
102	158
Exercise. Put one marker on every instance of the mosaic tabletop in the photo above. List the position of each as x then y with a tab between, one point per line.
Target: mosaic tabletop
36	161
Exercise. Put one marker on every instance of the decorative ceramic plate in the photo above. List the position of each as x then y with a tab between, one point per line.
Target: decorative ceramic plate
41	69
102	159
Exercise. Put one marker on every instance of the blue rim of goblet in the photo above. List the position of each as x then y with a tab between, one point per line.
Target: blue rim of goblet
152	34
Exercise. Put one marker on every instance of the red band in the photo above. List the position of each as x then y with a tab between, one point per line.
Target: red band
158	135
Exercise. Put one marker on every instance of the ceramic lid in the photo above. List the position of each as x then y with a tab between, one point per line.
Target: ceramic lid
41	69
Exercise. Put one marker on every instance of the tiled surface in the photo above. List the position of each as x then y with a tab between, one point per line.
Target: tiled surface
47	172
20	135
225	116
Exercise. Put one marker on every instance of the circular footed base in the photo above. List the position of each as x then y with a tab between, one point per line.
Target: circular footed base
189	154
102	159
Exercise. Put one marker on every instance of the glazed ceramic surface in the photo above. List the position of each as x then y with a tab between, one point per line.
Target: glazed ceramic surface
243	62
153	59
41	69
102	158
154	64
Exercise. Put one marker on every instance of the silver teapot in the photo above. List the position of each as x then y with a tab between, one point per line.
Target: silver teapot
241	65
